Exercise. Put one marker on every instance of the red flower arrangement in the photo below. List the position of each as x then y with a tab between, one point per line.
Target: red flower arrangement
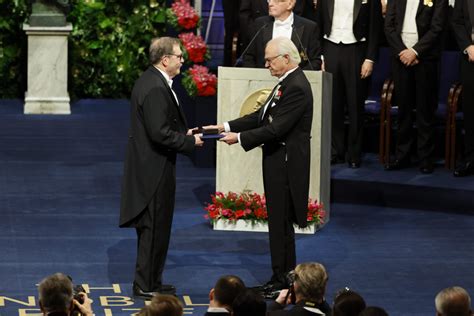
195	48
181	15
252	206
198	81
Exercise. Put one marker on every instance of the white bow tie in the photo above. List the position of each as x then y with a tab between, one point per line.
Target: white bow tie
286	25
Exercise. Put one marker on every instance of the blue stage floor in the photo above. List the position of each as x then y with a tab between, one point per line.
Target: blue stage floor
59	204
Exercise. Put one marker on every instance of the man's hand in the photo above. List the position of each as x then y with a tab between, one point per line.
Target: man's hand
283	298
408	57
219	127
190	131
197	140
230	138
470	53
366	69
86	307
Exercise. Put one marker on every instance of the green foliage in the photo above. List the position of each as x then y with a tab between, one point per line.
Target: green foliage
12	48
109	43
107	47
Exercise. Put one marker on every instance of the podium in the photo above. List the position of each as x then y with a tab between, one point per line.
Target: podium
237	170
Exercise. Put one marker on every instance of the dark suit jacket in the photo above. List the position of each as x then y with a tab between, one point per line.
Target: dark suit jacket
430	23
368	22
275	309
291	121
306	30
462	22
157	132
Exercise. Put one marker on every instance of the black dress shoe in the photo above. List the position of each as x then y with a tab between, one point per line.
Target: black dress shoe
426	167
464	170
397	165
165	289
147	295
354	164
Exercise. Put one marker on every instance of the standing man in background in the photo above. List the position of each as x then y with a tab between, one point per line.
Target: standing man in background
283	22
350	32
414	30
157	133
463	27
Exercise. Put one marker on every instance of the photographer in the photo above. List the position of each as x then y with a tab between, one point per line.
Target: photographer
57	297
306	293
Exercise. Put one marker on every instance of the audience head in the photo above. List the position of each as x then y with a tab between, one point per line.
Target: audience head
163	305
453	301
165	53
347	303
280	9
227	288
373	311
56	294
310	281
281	55
249	303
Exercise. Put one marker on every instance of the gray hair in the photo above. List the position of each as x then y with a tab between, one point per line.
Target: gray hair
453	301
55	293
286	46
161	46
311	278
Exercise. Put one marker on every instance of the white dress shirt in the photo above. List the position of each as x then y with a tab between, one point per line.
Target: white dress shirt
283	28
170	83
409	31
342	21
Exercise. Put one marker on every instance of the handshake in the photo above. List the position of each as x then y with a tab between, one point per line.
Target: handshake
213	132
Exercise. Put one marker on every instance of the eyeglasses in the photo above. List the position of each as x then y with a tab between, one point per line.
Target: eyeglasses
180	56
271	59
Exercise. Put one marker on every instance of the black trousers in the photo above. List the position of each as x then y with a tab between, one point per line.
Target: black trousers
280	213
416	87
231	26
467	80
153	233
349	92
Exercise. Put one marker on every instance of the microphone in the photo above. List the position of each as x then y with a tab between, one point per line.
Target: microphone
239	60
305	54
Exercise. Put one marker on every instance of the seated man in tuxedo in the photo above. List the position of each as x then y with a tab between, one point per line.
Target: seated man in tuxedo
307	292
463	27
283	22
222	296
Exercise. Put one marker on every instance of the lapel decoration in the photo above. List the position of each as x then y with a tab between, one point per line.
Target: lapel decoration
277	94
428	3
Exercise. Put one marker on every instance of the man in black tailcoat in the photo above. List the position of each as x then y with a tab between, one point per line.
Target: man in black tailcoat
463	28
281	21
157	133
283	127
250	10
414	30
350	32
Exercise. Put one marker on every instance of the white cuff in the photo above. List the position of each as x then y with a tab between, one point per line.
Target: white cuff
226	127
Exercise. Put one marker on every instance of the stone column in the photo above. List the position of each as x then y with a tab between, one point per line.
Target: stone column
47	70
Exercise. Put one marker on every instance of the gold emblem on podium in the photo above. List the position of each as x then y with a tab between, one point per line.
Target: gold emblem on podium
254	101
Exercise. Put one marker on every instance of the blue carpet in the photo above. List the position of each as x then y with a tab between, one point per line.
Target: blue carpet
59	203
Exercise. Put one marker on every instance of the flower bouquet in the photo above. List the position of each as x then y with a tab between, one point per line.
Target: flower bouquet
182	15
198	81
195	49
251	207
